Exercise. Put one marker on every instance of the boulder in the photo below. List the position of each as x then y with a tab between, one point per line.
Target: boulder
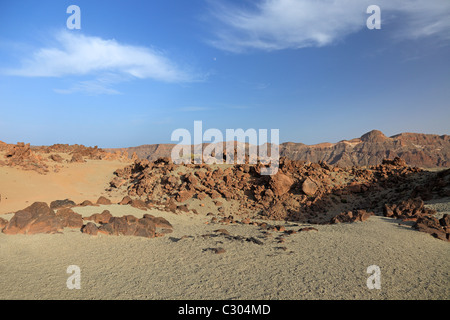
103	217
310	187
351	216
104	201
69	218
409	209
131	226
125	200
280	183
139	204
77	157
432	226
86	203
90	229
56	158
57	204
37	218
184	196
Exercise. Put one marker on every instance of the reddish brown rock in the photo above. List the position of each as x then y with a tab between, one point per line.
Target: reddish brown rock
37	218
307	229
280	183
139	204
184	196
3	223
78	158
131	226
352	216
90	229
56	158
219	250
103	201
201	196
161	223
57	204
117	182
126	200
432	226
86	203
103	217
409	209
398	162
69	218
310	187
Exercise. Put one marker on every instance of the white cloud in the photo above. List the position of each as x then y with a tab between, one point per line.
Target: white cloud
281	24
80	55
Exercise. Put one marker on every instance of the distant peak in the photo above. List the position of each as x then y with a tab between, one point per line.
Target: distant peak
373	136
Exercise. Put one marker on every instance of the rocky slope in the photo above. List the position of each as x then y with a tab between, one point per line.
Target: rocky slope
422	150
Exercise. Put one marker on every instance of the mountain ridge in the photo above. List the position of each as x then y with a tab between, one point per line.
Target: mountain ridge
417	149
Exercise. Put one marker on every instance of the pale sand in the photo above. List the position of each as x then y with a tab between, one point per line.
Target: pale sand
329	264
76	181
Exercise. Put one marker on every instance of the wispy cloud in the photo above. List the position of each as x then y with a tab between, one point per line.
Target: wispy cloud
280	24
107	61
193	109
101	85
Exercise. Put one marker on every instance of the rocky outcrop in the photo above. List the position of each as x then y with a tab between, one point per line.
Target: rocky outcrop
409	210
439	229
21	156
352	216
103	217
39	218
62	204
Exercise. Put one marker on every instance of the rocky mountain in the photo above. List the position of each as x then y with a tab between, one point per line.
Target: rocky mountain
417	149
422	150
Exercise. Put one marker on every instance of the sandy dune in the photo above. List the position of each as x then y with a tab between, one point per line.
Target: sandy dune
328	264
77	181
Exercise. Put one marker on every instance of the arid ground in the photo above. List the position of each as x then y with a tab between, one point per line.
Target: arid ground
233	245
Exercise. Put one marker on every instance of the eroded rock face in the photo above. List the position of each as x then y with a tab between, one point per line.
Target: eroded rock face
422	150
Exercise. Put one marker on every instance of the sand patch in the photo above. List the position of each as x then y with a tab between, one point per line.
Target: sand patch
76	181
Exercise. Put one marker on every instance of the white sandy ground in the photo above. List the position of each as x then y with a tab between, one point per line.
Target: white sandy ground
329	264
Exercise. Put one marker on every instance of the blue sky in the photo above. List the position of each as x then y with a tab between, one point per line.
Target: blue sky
138	70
